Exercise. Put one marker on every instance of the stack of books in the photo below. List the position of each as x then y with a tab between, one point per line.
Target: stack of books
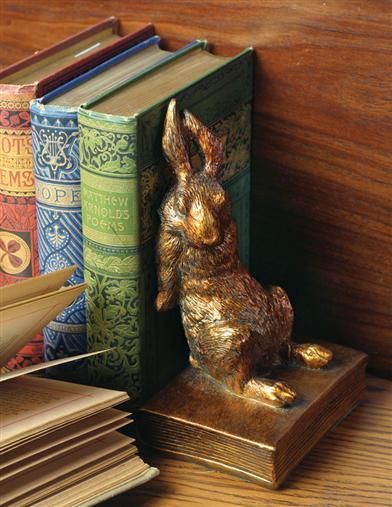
59	443
19	84
83	176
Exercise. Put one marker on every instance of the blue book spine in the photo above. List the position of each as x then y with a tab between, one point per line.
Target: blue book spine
59	221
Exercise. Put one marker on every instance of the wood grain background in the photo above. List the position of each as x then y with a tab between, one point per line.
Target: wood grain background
321	190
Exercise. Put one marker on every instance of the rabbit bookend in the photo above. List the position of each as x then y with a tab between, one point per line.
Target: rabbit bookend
224	410
236	329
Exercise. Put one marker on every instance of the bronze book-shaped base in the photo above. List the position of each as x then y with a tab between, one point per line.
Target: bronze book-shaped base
195	418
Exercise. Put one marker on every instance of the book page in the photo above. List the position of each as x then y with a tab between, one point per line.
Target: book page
28	463
21	321
104	485
56	438
51	477
7	375
31	405
36	286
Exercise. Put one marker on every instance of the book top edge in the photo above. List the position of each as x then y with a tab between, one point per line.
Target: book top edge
41	106
85	110
63	44
67	72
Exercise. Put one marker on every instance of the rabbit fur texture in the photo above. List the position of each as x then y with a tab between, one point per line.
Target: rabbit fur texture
236	329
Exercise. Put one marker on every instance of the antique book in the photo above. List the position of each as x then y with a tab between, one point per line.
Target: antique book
27	306
19	83
56	437
122	183
55	143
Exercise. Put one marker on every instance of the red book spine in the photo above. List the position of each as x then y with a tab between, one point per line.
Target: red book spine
18	228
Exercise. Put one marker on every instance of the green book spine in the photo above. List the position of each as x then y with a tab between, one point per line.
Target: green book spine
122	184
110	217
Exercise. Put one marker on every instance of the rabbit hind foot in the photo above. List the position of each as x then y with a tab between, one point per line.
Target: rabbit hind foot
275	393
311	355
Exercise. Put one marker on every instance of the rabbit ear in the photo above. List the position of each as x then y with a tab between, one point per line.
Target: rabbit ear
210	144
174	145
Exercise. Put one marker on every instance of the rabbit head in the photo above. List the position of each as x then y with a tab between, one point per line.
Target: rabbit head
196	208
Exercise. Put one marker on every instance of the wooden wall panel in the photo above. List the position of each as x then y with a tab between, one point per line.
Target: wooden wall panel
321	198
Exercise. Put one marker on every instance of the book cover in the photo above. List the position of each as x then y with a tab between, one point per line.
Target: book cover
122	185
18	229
55	143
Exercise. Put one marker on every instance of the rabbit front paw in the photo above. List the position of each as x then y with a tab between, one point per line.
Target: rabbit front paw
165	300
278	394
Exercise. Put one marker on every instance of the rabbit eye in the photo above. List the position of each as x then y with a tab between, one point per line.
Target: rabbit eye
181	208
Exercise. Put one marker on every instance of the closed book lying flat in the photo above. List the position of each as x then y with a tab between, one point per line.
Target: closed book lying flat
19	84
122	186
55	141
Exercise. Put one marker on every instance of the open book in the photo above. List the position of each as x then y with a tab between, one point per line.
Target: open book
58	440
26	307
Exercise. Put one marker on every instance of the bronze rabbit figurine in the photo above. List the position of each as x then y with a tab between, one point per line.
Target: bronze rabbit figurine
236	329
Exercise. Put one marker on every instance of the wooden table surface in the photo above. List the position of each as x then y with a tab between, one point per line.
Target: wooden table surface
351	466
